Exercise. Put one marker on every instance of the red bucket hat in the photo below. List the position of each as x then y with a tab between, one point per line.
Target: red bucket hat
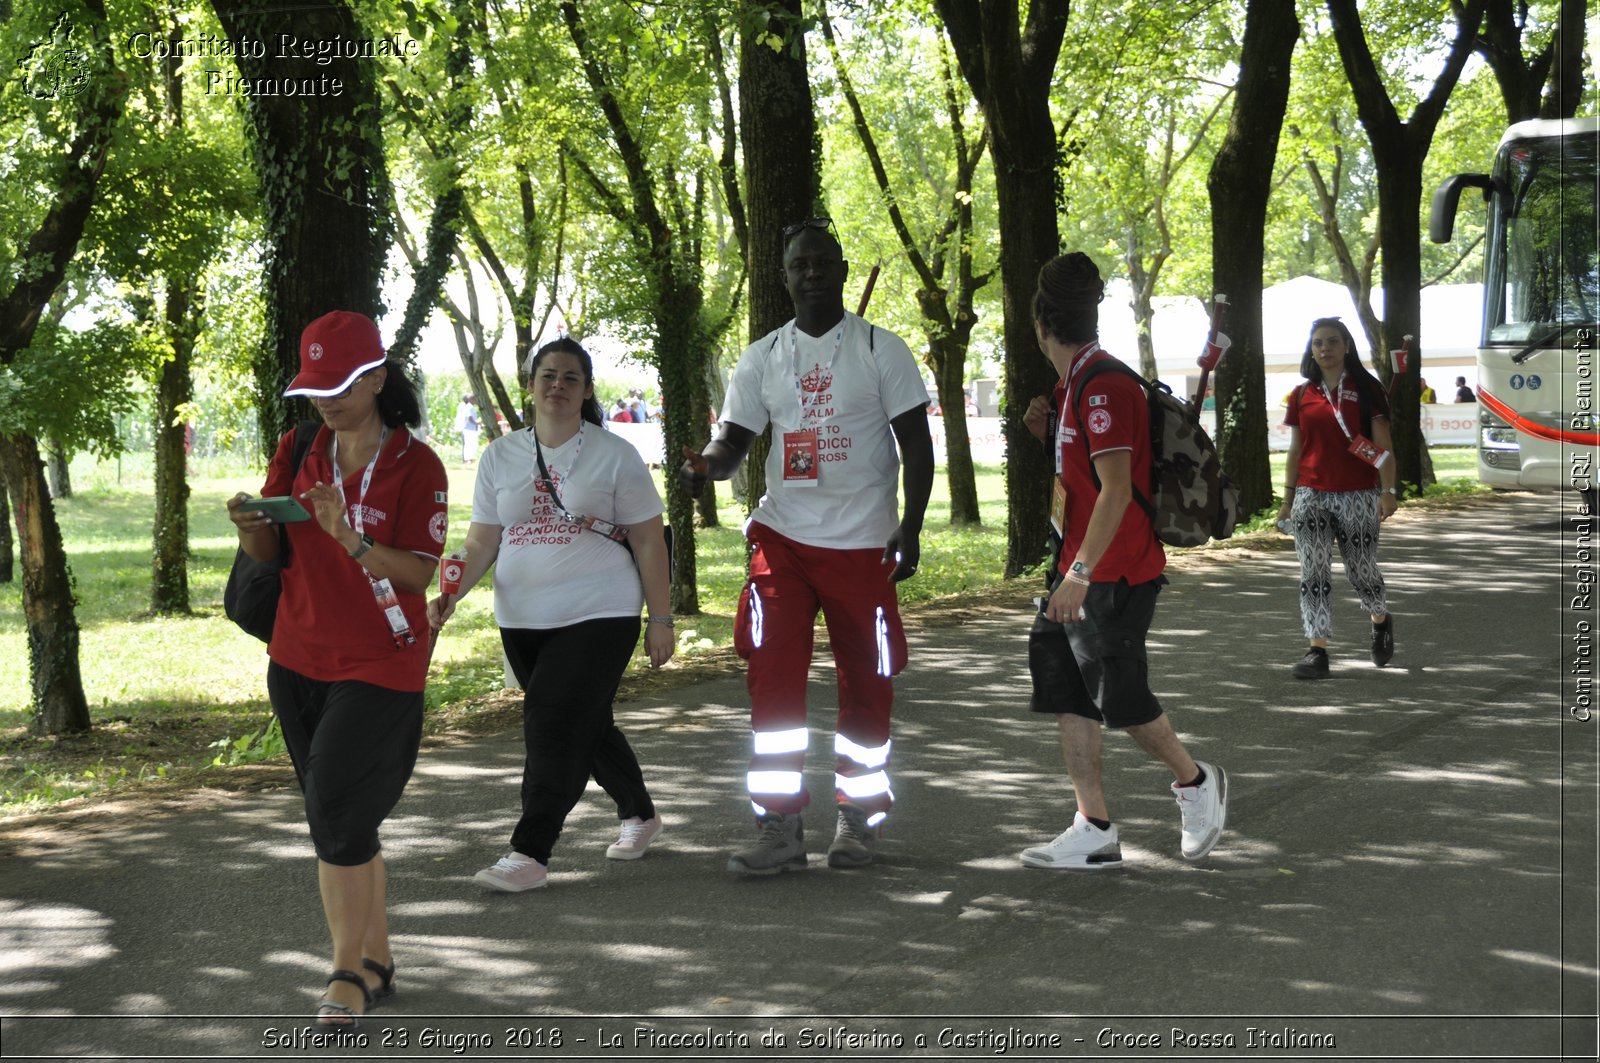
334	350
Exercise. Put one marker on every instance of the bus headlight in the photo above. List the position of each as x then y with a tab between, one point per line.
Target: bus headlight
1495	434
1500	439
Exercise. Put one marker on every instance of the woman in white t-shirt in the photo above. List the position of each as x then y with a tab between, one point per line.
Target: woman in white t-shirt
553	506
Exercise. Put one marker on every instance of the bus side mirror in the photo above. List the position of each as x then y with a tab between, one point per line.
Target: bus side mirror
1442	214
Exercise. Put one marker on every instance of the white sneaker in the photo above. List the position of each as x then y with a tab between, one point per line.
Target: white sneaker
637	834
513	873
1081	847
1204	809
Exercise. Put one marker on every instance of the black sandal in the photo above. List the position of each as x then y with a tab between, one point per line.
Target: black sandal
332	1007
386	990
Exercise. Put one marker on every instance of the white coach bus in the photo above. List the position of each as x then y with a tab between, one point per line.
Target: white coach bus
1538	426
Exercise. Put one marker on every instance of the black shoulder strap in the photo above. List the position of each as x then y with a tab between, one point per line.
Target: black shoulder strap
304	433
1110	365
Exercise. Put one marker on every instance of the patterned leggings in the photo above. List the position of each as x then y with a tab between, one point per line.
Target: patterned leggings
1322	518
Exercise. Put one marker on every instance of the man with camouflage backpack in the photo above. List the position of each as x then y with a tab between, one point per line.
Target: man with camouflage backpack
1086	652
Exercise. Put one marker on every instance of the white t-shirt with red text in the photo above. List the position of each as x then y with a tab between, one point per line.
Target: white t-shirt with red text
849	398
550	572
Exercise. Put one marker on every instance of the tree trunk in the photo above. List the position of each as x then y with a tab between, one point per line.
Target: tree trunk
1566	72
1009	71
324	184
1399	196
948	354
681	356
1398	151
59	706
1240	185
169	553
1554	72
47	600
948	327
671	260
59	468
709	394
8	545
782	161
1144	314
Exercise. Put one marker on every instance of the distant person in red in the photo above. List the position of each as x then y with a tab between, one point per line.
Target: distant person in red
622	415
1339	487
349	650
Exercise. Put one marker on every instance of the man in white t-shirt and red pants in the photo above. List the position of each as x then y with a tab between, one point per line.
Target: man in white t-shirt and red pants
839	394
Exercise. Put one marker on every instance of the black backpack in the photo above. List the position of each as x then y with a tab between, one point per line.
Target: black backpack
1194	500
251	596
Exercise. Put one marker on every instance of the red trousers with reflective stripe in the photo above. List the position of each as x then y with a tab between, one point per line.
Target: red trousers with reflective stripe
790	583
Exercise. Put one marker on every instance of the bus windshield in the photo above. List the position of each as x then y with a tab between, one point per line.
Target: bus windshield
1543	259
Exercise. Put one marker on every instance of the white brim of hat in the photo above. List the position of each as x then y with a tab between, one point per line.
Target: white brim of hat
322	393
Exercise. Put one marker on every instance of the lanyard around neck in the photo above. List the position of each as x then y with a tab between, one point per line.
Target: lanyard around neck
544	473
610	530
1333	400
1072	375
366	481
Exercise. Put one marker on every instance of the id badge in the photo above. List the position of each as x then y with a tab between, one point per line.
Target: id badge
1058	509
1368	451
800	458
389	602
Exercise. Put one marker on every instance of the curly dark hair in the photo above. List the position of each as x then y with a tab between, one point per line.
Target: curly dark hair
1067	301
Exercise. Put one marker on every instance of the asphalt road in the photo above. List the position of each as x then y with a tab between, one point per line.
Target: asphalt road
1409	869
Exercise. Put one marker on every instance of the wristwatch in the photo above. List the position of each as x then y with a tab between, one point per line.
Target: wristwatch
362	547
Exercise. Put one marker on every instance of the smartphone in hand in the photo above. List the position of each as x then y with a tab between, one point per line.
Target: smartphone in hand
280	509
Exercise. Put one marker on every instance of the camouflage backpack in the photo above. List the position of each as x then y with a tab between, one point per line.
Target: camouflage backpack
1194	499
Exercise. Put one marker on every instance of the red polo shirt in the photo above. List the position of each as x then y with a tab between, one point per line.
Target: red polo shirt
330	626
1326	463
1116	416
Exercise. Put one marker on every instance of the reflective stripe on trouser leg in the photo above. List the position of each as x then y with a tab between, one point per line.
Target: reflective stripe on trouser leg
775	778
861	777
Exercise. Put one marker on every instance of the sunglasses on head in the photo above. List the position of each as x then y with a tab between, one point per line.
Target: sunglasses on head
820	224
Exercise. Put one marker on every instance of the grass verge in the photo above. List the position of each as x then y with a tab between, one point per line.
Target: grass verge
180	702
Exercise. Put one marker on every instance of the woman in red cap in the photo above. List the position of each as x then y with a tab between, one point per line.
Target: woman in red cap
349	649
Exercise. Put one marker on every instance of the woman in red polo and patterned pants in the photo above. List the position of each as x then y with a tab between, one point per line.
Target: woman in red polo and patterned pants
1333	493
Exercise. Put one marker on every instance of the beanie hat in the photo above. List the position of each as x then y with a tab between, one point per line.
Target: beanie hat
334	350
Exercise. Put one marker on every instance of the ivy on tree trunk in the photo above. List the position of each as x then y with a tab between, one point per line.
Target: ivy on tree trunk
324	184
1009	68
1399	148
48	606
782	163
1240	185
